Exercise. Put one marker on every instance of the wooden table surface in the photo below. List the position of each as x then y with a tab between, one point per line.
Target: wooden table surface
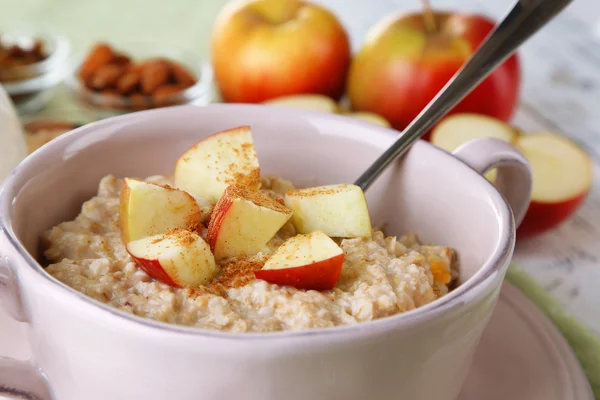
561	93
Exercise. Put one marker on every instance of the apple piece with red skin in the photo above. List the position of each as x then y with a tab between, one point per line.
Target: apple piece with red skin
147	209
262	49
404	64
562	178
222	159
311	262
178	257
243	222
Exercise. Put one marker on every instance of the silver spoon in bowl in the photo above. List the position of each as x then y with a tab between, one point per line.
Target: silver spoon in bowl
525	19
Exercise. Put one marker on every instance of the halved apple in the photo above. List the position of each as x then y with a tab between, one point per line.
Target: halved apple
458	129
315	102
370	117
311	261
562	171
148	209
225	158
243	221
336	210
562	177
178	258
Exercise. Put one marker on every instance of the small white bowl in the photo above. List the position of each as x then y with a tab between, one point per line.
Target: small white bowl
35	89
201	93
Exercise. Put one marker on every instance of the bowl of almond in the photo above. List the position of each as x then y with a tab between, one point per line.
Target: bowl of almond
109	80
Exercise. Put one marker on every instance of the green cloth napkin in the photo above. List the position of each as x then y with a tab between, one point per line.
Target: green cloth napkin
585	344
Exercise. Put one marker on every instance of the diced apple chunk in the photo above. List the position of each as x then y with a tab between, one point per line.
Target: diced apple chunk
178	258
311	261
148	209
220	160
336	210
244	221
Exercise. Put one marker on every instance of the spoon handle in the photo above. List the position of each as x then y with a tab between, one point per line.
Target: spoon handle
525	19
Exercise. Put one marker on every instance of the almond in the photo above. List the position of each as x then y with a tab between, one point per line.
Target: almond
128	82
99	56
106	76
121	59
162	95
154	74
181	74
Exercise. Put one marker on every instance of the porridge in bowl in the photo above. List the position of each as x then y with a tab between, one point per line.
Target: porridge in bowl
219	247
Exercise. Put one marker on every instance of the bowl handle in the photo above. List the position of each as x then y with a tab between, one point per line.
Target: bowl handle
10	297
514	179
22	380
18	379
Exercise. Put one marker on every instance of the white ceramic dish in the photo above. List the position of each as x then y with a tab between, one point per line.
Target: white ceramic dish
89	350
521	356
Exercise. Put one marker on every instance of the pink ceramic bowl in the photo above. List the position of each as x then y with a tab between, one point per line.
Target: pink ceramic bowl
86	350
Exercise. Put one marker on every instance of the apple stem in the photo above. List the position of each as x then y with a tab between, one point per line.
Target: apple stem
429	16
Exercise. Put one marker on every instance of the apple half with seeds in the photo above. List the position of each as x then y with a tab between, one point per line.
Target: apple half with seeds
243	222
177	257
312	262
147	209
222	159
336	210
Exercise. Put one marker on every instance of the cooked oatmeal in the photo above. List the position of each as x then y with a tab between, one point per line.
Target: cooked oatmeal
381	276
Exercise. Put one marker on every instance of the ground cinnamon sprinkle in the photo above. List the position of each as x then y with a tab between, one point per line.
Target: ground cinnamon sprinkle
258	198
251	179
182	236
316	191
237	274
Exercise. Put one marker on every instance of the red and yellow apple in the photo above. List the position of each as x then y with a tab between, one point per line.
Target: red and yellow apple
147	209
405	61
222	159
562	171
263	49
243	221
312	262
178	258
336	210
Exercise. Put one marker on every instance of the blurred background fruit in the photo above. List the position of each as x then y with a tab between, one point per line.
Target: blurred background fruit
562	171
263	49
407	59
317	102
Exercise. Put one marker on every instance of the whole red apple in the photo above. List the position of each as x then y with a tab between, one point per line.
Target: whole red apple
406	61
262	49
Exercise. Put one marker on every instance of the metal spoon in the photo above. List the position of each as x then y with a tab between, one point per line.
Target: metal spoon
525	19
